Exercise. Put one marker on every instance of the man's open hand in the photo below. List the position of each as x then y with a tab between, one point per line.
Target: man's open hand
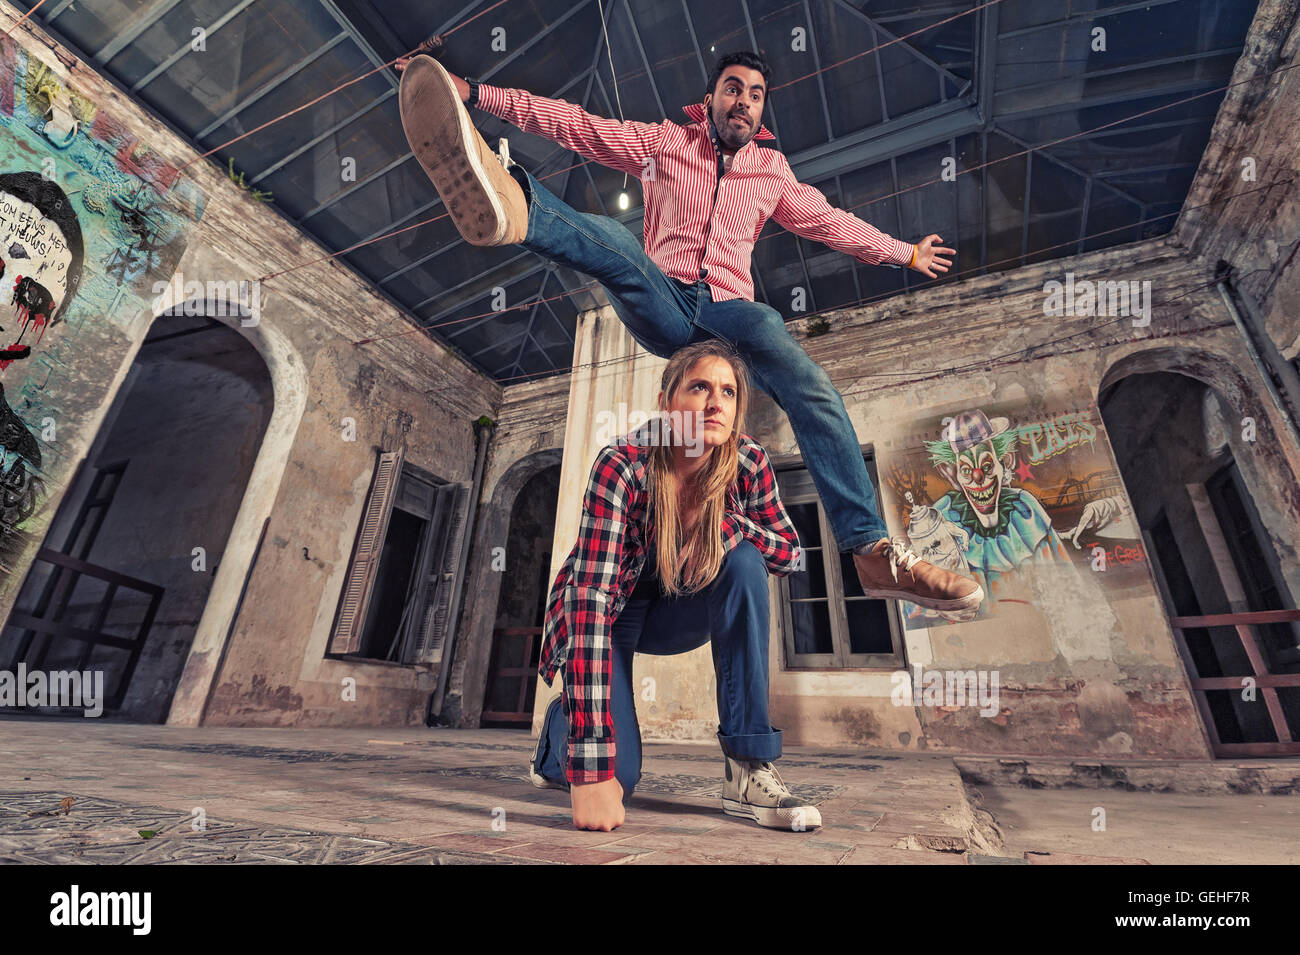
931	259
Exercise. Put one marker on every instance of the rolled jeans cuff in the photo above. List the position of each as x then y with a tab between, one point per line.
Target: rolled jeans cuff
759	746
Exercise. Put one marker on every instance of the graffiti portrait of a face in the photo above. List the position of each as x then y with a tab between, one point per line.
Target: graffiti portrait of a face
41	251
40	262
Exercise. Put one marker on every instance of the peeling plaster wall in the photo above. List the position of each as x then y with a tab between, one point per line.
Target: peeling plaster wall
308	484
1255	136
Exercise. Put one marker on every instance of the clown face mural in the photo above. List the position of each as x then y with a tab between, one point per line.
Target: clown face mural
40	268
987	523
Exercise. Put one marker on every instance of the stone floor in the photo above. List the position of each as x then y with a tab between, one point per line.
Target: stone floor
143	794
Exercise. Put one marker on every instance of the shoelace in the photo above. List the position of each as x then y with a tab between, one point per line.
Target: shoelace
899	553
765	776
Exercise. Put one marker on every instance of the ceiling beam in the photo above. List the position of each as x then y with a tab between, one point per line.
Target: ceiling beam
986	64
1087	16
279	163
127	33
876	27
362	43
284	76
171	61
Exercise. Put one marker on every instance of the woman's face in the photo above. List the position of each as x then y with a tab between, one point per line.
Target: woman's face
705	404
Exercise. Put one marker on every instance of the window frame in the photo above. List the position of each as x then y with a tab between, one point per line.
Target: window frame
796	487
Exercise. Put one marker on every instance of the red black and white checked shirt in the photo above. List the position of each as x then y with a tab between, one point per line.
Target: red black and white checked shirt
600	572
680	171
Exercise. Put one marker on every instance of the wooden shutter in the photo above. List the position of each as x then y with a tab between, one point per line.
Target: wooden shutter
442	583
365	560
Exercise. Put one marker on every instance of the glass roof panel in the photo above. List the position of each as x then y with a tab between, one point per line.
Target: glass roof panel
172	32
260	43
268	146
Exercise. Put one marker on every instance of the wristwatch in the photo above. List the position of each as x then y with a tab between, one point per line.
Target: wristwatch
473	91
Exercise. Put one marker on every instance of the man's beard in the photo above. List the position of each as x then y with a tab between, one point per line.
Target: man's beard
734	137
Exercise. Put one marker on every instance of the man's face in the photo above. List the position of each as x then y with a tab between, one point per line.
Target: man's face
34	265
707	396
736	105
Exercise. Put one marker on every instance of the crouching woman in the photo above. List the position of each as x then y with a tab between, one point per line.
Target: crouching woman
681	527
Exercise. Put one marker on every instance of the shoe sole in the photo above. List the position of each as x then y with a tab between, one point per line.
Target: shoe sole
810	819
443	141
970	603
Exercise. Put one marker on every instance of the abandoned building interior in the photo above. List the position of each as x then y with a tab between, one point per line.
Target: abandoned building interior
340	500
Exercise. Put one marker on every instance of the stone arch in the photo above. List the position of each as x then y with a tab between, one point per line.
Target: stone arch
1268	464
287	369
1210	464
484	585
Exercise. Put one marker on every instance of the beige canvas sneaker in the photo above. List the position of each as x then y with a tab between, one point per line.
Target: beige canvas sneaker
756	791
484	201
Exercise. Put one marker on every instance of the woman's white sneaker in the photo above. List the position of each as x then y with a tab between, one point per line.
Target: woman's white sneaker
755	790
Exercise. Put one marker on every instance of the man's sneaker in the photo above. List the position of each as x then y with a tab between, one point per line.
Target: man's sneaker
484	201
755	790
537	779
891	570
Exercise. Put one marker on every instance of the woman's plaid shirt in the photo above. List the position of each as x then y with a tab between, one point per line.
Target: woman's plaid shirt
602	570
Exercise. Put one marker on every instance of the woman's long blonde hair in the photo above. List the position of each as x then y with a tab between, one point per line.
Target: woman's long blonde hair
701	549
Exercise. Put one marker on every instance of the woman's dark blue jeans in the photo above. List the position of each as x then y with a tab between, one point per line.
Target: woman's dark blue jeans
732	612
664	314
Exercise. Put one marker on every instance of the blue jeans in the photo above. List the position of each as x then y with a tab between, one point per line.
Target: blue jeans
732	611
664	314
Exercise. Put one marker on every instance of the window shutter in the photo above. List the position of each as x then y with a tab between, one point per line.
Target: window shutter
365	561
442	579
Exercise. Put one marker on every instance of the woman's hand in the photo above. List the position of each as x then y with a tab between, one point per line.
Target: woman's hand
597	805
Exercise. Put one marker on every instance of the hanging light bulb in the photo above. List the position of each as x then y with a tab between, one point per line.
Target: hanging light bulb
624	200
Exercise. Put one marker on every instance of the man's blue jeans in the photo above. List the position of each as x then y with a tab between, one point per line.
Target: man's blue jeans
664	314
733	612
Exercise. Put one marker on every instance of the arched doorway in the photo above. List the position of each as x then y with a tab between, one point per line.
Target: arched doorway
521	604
130	556
1179	444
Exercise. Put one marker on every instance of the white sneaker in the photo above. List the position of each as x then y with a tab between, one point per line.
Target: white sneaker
756	791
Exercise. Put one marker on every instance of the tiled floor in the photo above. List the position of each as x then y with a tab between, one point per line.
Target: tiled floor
149	794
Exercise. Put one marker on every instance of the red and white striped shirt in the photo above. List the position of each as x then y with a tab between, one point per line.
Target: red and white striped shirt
690	232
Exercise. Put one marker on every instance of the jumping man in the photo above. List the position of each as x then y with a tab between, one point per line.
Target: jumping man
709	188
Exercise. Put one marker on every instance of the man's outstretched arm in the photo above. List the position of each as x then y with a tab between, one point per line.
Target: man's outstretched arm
804	211
625	146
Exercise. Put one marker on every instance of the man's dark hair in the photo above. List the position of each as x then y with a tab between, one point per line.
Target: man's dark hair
744	58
